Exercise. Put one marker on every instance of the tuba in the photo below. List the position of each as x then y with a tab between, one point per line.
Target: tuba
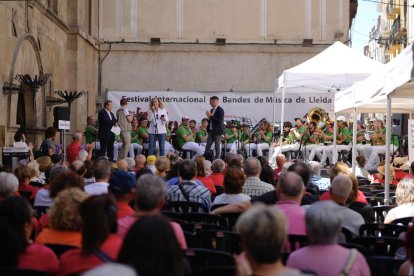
318	115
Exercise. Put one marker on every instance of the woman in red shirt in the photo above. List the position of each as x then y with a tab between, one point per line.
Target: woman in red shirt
99	242
16	250
201	174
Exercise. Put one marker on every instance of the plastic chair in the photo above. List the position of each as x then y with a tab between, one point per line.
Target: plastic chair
403	221
204	218
381	230
375	201
59	249
381	212
187	207
201	259
384	266
215	206
231	219
359	247
220	240
380	246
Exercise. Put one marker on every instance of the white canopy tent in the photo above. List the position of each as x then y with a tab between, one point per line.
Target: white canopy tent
389	90
336	68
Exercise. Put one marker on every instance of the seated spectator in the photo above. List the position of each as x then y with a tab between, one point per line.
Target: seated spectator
379	177
34	174
202	176
217	169
401	166
360	170
291	191
140	161
356	194
9	185
131	165
20	142
323	225
150	164
102	173
42	196
280	161
23	174
187	189
151	248
72	149
16	250
64	219
88	177
341	188
267	174
263	232
233	188
122	165
207	165
78	167
150	192
162	166
316	179
302	169
99	242
120	186
253	186
407	267
405	201
45	164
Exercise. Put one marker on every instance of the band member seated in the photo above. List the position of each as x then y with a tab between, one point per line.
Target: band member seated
326	137
378	144
185	138
311	139
262	139
363	144
135	145
232	135
291	141
143	138
343	138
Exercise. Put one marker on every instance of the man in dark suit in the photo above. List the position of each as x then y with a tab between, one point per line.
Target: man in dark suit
215	126
106	121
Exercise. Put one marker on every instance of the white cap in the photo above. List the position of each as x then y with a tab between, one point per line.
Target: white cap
341	118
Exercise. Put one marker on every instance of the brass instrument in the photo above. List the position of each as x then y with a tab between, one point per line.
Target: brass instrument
317	115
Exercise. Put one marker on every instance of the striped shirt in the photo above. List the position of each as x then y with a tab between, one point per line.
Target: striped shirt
196	193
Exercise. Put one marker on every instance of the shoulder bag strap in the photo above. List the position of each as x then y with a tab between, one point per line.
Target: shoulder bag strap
187	197
349	263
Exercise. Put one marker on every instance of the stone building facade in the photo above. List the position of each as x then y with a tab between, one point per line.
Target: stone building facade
144	45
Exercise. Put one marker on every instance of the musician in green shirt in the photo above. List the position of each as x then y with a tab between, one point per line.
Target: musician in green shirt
261	138
185	138
232	135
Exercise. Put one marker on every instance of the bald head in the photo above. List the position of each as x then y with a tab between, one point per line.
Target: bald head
77	136
252	167
291	186
122	165
341	188
140	161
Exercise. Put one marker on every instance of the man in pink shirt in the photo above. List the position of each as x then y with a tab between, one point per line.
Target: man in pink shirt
150	194
291	190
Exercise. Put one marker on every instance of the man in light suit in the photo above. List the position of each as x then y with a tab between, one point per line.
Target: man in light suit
215	126
106	121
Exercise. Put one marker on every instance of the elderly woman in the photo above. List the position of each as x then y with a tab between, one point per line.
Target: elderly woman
233	188
202	175
9	184
323	226
263	231
64	219
405	201
162	166
315	170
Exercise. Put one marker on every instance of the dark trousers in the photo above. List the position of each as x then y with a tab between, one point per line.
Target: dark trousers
107	145
216	139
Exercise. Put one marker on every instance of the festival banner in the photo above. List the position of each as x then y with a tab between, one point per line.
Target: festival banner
410	140
241	106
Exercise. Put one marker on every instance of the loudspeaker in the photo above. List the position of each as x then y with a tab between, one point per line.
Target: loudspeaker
60	113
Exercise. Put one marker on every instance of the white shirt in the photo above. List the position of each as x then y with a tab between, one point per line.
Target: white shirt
152	118
42	198
19	144
97	188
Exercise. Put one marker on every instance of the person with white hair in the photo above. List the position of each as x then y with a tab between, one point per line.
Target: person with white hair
323	224
316	179
131	164
72	150
340	190
217	169
405	201
9	185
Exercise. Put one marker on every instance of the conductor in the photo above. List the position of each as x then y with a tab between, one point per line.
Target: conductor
215	126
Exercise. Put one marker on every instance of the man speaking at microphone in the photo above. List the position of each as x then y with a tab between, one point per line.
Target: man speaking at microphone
215	126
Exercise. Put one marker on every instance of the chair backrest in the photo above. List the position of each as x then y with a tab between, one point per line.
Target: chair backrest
187	207
384	266
347	234
220	240
231	219
382	230
381	212
360	248
404	221
380	246
59	249
205	218
201	259
215	206
375	201
14	271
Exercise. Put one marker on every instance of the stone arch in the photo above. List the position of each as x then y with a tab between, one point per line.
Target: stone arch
26	47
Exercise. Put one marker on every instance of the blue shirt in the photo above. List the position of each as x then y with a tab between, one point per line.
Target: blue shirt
175	180
322	183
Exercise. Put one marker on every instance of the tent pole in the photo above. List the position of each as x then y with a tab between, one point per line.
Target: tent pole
387	151
354	141
334	152
282	118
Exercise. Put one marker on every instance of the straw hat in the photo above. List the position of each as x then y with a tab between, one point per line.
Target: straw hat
401	163
381	170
